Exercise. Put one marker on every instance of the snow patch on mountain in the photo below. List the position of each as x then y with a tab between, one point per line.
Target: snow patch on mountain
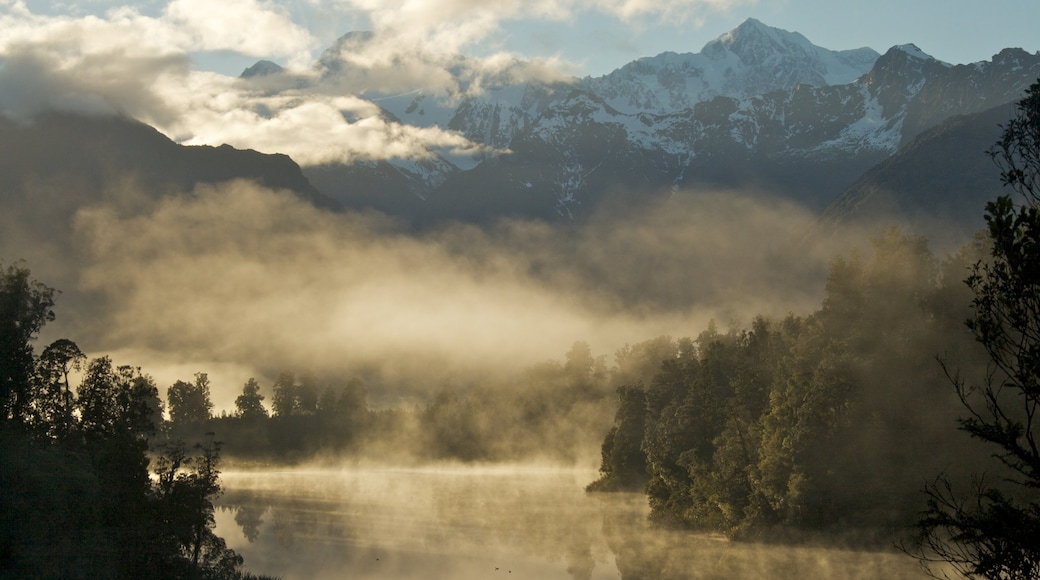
424	175
872	132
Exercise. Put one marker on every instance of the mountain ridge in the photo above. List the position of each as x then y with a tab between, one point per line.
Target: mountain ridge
794	119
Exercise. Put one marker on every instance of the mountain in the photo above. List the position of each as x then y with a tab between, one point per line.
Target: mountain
262	68
936	185
758	107
753	59
807	144
95	152
61	163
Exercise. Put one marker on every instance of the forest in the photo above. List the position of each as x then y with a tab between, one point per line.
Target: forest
76	496
867	421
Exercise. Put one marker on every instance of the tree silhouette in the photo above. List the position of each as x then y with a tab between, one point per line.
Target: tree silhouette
995	532
25	306
286	399
190	402
186	486
56	401
249	405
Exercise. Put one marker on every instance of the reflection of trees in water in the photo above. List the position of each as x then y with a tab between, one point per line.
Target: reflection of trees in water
249	518
580	562
642	551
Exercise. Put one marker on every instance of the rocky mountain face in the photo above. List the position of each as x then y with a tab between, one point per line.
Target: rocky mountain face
937	185
756	108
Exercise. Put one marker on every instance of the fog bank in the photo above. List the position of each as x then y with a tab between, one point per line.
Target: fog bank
238	281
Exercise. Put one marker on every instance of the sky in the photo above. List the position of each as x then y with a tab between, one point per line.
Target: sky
591	37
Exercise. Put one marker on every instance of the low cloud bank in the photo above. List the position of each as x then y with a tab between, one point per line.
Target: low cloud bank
240	281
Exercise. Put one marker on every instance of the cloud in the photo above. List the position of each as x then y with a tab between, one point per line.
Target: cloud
311	127
134	65
244	26
122	62
34	79
420	40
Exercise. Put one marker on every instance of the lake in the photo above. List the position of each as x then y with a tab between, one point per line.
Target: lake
475	522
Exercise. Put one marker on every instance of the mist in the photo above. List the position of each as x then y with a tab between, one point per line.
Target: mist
517	521
238	281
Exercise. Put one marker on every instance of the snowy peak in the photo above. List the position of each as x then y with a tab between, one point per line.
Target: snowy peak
754	42
760	47
753	59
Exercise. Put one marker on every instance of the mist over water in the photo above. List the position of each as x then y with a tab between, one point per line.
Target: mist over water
509	521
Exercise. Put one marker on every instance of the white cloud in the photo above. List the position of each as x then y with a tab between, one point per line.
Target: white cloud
127	63
245	26
314	130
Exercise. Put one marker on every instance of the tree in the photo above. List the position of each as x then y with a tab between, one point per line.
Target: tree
249	405
190	402
307	393
25	306
117	401
186	486
286	400
55	405
96	399
623	467
995	532
138	402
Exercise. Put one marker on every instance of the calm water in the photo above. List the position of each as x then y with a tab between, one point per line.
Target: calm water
488	522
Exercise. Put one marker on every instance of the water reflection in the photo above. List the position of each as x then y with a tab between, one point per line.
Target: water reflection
483	522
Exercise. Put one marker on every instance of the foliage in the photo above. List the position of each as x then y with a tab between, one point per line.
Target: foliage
186	488
249	405
54	402
623	460
286	400
994	532
75	496
190	402
25	306
824	422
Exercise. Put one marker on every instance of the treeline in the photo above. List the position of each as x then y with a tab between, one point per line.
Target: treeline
553	410
831	421
76	497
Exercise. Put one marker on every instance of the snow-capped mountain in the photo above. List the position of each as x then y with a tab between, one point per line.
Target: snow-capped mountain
752	59
806	143
757	106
